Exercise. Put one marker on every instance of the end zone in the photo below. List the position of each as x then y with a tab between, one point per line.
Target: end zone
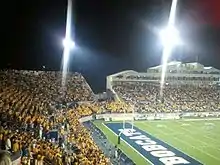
151	148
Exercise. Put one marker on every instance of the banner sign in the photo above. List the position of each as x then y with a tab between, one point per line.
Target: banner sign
151	116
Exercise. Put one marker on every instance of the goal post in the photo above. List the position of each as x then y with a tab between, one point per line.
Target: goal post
133	116
129	119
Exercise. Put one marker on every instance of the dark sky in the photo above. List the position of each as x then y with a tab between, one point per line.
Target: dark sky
112	35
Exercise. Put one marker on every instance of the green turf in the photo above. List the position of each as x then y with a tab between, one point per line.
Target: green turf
199	139
123	146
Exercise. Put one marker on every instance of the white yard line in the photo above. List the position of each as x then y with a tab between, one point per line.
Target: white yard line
128	145
194	120
205	119
188	144
166	134
168	120
205	136
177	125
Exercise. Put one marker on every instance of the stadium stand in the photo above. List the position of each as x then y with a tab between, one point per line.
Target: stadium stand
100	138
188	87
175	99
28	118
40	119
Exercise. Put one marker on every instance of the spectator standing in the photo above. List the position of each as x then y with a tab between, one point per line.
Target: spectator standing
8	144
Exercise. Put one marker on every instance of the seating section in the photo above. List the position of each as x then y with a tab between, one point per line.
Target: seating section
28	116
146	97
48	85
33	112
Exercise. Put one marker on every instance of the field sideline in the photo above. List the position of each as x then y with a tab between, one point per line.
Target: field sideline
198	139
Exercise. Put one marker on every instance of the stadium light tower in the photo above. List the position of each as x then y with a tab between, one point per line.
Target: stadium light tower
170	38
67	42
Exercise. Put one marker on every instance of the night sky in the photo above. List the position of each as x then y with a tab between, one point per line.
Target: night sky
112	35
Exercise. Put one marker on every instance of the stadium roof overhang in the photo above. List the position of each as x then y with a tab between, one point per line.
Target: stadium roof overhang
195	66
124	73
172	63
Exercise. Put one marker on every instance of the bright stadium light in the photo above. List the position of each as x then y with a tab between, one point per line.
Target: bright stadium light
169	38
67	43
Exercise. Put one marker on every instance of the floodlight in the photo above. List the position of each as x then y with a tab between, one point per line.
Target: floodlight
170	36
68	43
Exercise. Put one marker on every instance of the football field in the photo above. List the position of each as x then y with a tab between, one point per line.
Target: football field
171	141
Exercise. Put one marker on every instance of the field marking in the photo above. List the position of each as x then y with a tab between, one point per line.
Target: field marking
169	143
188	144
192	120
168	120
206	144
198	139
197	147
207	137
210	119
128	144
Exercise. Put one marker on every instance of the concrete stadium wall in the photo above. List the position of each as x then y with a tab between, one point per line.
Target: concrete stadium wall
151	116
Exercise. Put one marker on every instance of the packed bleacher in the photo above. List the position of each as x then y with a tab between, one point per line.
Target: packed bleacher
28	118
99	107
112	151
147	97
34	111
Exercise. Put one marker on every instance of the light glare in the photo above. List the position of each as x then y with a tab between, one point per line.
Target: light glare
68	43
170	36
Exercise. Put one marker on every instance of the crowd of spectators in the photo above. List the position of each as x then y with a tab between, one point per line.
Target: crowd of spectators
32	107
100	107
146	97
28	115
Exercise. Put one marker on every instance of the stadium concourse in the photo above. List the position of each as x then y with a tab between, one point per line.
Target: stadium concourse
41	120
